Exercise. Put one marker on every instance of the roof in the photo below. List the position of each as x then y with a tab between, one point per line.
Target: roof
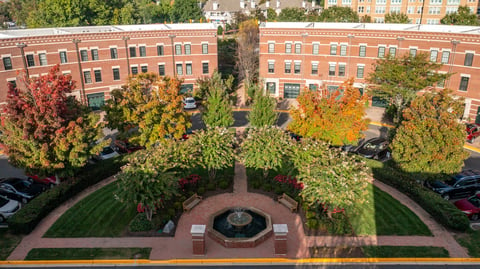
234	6
16	33
459	29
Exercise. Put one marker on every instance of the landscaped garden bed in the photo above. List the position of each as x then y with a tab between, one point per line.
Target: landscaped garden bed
378	252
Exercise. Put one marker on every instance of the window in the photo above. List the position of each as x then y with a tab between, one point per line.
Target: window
113	53
298	48
116	73
433	21
331	69
178	49
360	71
451	10
381	52
160	51
288	48
441	83
291	90
144	68
94	54
435	2
288	67
343	50
346	2
7	63
314	68
296	67
413	52
271	87
13	82
133	52
434	10
63	57
433	55
271	67
341	70
380	10
84	55
30	60
187	49
205	48
161	69
395	9
468	59
134	70
313	87
396	2
381	2
143	51
205	68
453	2
362	51
410	10
96	100
98	75
445	57
179	69
333	49
42	57
463	84
188	68
392	51
87	76
315	48
332	2
271	47
361	9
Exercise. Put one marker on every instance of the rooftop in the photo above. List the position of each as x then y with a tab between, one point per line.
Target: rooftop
233	6
460	29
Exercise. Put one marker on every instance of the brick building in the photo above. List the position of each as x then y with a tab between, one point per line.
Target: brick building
418	11
103	56
294	56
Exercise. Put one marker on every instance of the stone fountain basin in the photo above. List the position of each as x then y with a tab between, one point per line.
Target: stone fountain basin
234	242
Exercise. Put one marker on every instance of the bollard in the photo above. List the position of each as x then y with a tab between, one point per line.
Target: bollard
280	231
198	239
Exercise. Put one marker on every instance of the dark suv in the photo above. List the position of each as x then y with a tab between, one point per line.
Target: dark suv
463	184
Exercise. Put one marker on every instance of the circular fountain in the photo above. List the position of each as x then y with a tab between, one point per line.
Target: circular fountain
237	227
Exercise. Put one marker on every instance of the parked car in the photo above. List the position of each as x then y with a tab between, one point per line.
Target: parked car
473	131
187	134
464	184
189	103
294	136
50	181
470	206
375	148
8	207
107	153
123	146
20	189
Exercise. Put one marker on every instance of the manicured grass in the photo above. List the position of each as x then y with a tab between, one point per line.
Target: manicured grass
8	242
88	253
470	241
98	215
384	215
404	252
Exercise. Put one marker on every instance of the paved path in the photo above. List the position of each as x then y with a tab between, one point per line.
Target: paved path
180	246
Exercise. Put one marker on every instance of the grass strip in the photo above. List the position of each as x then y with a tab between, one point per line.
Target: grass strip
379	252
88	253
8	242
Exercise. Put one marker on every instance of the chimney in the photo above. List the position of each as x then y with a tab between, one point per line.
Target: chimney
267	4
278	3
215	5
303	4
252	3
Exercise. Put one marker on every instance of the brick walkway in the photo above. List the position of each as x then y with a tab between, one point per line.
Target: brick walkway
180	246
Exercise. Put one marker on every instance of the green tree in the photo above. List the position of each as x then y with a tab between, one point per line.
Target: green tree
430	139
265	148
400	78
186	10
213	149
338	14
45	130
215	81
218	109
463	16
396	17
337	118
271	14
292	14
263	110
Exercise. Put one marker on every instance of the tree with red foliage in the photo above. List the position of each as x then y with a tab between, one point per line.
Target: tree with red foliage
45	129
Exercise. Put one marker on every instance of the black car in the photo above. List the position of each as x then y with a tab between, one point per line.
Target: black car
464	184
375	148
20	189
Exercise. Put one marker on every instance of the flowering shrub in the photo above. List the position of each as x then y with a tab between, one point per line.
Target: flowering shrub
190	180
290	181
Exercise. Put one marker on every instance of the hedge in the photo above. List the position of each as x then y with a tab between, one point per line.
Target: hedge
441	210
32	213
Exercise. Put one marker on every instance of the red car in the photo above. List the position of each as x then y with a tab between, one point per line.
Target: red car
51	181
123	146
473	131
470	206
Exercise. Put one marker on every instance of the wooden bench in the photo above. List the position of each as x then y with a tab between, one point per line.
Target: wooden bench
288	201
191	202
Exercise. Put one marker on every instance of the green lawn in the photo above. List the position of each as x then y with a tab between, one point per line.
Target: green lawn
8	242
98	215
404	252
88	253
384	215
470	241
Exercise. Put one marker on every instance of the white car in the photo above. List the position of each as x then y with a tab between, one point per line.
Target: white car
107	153
8	208
189	103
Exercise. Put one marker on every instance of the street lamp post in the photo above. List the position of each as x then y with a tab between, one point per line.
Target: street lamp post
21	46
125	39
172	36
83	96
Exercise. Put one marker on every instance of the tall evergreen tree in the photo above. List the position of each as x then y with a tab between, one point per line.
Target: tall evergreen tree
218	109
263	110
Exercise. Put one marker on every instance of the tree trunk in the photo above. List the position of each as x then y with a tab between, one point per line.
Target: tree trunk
212	172
399	106
265	173
149	213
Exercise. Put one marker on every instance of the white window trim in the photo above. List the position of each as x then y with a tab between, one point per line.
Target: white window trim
142	45
97	68
113	47
6	55
270	61
315	62
64	72
162	63
330	63
465	75
297	61
116	66
134	65
160	44
62	50
86	69
178	62
205	62
341	63
449	50
470	51
144	65
93	48
360	64
41	51
188	62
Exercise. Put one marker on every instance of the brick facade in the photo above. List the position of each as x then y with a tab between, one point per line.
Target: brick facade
341	51
104	50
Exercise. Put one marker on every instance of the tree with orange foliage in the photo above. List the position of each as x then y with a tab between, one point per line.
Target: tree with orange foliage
331	117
